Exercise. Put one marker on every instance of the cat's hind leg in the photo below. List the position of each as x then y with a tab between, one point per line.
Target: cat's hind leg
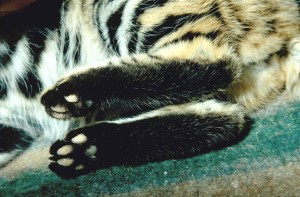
172	132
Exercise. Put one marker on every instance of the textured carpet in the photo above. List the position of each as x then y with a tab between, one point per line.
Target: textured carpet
265	163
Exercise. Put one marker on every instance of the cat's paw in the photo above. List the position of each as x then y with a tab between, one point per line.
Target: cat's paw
74	156
68	98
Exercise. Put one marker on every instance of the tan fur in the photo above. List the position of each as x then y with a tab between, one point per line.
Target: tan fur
249	33
38	160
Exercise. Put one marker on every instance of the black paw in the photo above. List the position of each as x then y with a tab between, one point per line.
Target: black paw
74	156
68	98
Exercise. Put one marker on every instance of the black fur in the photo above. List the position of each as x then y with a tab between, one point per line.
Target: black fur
190	36
170	24
136	26
77	53
113	24
30	85
5	58
34	25
12	138
66	47
31	21
149	140
3	91
146	87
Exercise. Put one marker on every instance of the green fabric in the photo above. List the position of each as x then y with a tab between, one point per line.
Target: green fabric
273	142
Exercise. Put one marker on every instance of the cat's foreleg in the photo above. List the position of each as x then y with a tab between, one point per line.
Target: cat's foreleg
137	82
172	132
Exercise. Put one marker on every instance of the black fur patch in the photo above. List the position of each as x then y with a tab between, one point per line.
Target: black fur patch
190	36
66	47
29	85
247	27
37	45
30	22
32	17
5	58
3	90
12	138
136	26
215	11
148	140
170	24
113	24
271	24
77	50
283	52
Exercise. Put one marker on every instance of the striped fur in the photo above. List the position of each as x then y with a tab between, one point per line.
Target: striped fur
129	64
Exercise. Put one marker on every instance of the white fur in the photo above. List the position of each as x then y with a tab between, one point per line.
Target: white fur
6	157
17	66
19	112
292	67
105	12
123	32
49	62
202	108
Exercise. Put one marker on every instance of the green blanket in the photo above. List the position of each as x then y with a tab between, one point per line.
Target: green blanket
266	163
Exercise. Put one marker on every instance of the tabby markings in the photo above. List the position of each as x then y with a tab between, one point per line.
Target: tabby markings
113	24
30	85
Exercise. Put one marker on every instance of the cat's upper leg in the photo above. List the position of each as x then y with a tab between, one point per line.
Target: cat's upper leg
263	82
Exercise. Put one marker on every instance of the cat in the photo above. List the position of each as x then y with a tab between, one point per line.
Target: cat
136	81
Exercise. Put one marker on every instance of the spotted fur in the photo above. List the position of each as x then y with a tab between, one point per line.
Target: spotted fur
138	81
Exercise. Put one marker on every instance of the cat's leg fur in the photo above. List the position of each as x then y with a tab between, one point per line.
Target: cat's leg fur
148	84
276	78
292	68
136	83
172	132
13	141
101	145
